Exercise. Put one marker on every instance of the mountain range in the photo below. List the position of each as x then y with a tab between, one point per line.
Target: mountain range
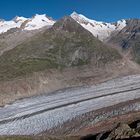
46	54
101	30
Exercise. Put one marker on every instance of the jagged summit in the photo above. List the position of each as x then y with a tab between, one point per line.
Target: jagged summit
101	30
38	21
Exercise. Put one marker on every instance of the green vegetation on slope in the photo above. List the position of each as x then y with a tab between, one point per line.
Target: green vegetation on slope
66	44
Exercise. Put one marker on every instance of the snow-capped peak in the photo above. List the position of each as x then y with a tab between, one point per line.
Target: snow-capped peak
101	30
121	24
81	18
36	22
39	21
21	19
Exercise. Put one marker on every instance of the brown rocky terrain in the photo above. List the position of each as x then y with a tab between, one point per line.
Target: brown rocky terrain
52	80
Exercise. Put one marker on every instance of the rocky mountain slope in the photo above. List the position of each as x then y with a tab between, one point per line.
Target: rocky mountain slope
19	29
65	44
124	34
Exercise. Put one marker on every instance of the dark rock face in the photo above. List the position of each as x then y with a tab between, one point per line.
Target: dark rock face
129	38
127	34
121	132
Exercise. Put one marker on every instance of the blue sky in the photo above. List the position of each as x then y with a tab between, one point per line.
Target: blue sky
102	10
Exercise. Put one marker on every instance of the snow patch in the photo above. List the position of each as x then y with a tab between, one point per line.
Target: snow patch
39	21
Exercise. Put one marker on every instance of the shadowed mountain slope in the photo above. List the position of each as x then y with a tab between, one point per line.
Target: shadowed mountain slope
129	38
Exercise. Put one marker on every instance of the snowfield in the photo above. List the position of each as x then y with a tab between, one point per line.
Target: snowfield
38	114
